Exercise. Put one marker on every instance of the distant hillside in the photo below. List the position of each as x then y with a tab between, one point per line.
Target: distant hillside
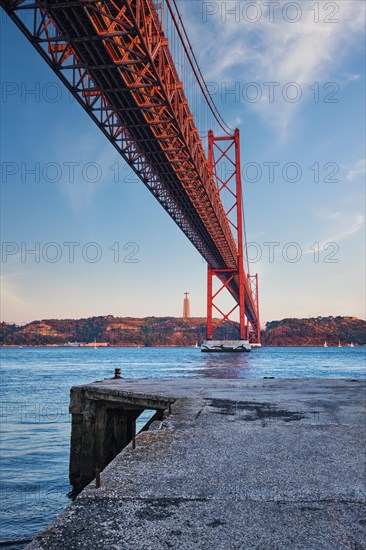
115	331
171	331
315	331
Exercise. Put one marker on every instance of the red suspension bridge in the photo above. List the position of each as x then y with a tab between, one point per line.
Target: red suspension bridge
131	66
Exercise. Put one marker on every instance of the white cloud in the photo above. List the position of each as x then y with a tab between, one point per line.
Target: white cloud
353	226
334	216
304	52
351	78
328	215
357	170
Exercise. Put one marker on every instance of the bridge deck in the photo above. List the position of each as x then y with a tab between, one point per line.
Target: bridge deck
114	58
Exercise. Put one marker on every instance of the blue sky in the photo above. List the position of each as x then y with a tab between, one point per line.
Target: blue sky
315	196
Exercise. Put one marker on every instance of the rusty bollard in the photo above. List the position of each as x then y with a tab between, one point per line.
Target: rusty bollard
117	373
97	478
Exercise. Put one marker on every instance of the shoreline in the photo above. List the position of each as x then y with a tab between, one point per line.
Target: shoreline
124	346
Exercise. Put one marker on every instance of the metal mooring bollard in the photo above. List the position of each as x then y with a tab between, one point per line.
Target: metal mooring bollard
97	478
117	373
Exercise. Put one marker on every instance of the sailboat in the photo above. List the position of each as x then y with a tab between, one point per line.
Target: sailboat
95	343
196	346
339	344
352	345
325	344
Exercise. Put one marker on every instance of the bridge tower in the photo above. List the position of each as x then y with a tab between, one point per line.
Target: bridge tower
224	161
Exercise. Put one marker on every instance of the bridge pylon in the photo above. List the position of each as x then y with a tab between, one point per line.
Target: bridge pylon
224	161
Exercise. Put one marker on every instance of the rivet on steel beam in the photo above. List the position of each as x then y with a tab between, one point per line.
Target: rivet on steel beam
97	478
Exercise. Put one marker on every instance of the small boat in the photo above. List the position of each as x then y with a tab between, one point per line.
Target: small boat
325	344
196	346
339	344
352	345
95	343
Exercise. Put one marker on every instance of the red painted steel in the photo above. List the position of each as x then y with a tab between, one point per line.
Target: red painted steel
254	328
114	58
224	160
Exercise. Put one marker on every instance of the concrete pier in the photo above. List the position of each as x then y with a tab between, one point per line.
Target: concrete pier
227	464
103	423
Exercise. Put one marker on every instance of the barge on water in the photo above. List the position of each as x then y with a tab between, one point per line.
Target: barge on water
226	346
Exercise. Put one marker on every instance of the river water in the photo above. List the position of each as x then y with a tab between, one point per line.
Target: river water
35	421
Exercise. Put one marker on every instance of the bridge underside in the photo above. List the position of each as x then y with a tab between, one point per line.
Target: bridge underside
114	58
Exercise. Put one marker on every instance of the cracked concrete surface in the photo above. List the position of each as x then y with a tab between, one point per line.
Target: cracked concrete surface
260	464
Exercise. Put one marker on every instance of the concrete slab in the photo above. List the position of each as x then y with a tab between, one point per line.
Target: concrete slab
262	464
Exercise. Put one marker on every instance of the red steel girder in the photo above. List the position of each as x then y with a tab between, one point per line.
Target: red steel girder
114	58
224	152
254	328
127	82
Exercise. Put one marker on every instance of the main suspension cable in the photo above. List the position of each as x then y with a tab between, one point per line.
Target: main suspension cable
196	68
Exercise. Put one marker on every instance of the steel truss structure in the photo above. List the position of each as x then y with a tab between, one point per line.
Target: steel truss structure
224	159
114	58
